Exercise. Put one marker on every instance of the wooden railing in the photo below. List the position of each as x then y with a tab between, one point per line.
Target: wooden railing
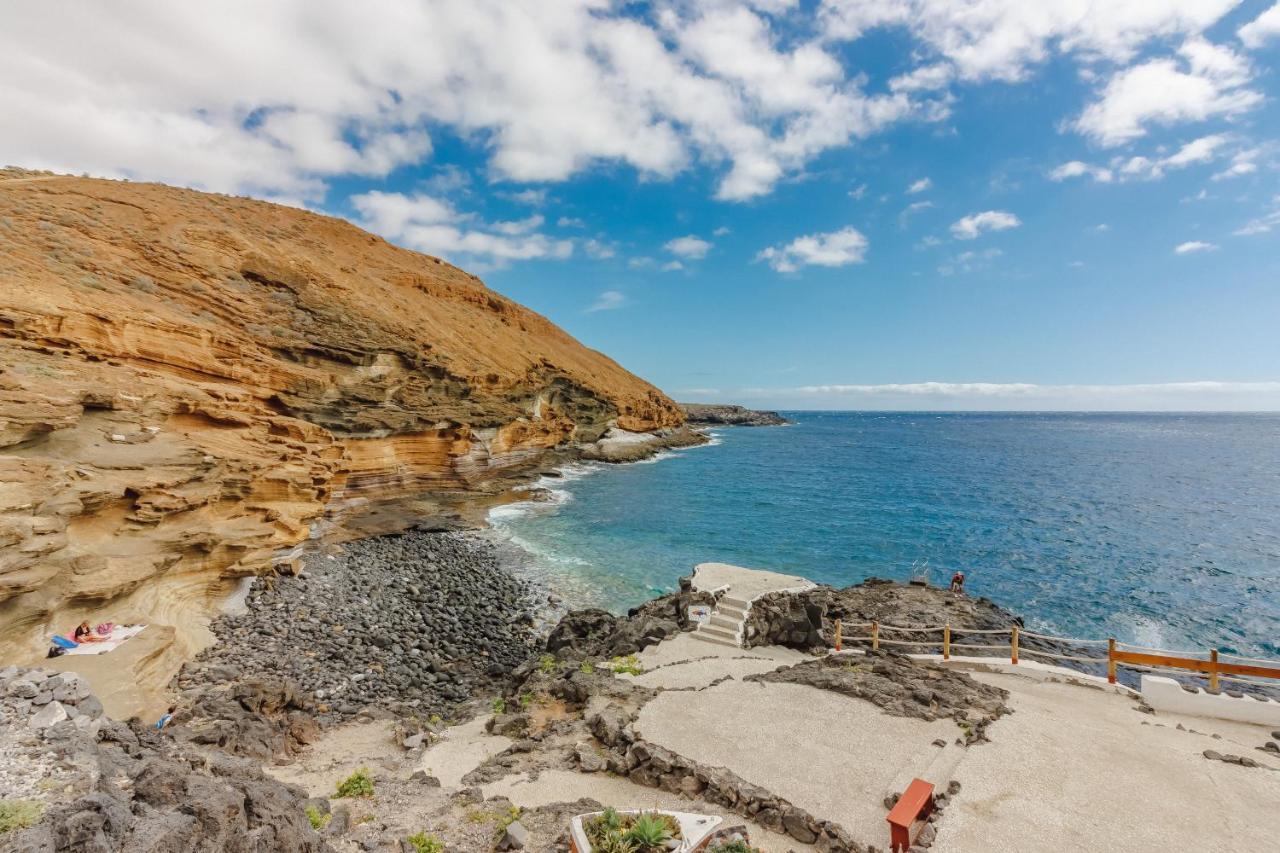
1213	666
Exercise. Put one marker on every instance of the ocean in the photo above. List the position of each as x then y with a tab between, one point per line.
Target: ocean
1161	530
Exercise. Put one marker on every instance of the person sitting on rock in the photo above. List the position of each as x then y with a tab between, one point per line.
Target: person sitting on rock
85	634
957	583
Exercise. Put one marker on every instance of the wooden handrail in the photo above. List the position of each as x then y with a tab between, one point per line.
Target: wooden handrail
1212	667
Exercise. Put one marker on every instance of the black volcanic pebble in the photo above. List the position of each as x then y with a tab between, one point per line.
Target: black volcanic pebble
419	620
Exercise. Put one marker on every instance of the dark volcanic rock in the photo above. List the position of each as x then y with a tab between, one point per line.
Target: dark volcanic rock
418	622
899	685
594	633
119	788
712	414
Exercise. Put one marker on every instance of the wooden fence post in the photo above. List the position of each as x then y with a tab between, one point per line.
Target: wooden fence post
946	642
839	635
875	635
1213	671
1013	647
1111	660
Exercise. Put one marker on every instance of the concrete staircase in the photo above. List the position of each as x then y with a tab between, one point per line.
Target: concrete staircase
728	620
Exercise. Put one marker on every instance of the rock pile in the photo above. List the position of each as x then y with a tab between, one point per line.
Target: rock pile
593	633
900	686
95	784
419	621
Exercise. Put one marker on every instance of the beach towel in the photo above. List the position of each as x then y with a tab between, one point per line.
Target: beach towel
63	643
118	637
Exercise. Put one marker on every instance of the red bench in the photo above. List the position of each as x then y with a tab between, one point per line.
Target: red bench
907	817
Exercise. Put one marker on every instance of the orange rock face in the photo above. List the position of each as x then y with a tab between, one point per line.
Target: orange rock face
192	384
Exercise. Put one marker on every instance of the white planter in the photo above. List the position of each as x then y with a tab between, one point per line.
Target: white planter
695	829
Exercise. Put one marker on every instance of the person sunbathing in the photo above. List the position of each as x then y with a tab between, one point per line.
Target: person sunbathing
85	634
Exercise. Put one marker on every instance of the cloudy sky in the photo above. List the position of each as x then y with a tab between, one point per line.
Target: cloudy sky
925	204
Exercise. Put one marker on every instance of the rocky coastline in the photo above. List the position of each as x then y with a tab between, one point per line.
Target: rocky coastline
716	414
417	622
409	641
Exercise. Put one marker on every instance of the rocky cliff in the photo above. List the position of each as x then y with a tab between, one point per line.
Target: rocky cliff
192	385
716	414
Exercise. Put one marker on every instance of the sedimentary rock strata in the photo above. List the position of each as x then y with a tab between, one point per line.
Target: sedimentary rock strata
191	384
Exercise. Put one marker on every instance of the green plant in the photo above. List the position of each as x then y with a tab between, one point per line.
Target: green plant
650	830
526	699
629	665
358	784
735	846
586	668
647	832
19	814
499	705
319	820
423	842
547	664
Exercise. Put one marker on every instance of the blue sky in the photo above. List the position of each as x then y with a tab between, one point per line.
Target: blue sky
880	204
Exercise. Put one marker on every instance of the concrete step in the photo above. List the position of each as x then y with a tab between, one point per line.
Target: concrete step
729	622
731	612
736	603
721	633
708	638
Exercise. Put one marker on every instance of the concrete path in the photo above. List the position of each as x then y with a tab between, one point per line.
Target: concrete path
833	756
558	786
739	587
744	583
683	662
1075	768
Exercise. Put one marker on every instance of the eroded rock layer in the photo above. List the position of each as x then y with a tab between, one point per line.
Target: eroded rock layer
192	384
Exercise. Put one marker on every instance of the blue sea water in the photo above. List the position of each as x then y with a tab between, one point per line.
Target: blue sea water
1159	529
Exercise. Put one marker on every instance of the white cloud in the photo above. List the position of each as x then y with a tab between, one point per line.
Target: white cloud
1210	82
570	222
671	266
688	247
831	249
640	263
533	198
858	192
923	79
1138	167
1263	224
1192	246
919	186
1242	163
910	210
1076	169
599	249
1261	29
971	226
721	231
280	99
1024	396
967	262
432	225
609	300
1002	39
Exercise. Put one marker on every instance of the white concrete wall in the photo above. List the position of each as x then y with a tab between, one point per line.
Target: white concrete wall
1165	694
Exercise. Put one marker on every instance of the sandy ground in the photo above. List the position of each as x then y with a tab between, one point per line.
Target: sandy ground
1075	768
555	786
342	751
463	749
744	583
683	662
833	756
